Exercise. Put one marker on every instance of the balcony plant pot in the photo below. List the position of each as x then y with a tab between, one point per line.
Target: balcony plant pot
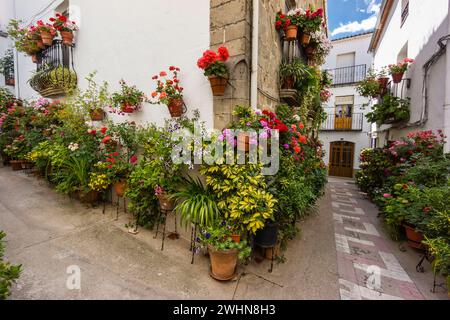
16	165
268	236
47	38
305	39
176	108
288	82
35	58
88	198
414	238
97	114
223	263
67	37
218	85
397	77
120	188
291	32
165	203
243	142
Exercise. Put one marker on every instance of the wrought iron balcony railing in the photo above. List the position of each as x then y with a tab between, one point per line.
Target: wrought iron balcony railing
55	74
348	75
336	123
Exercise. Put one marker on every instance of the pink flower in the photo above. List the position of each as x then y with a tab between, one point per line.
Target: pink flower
387	196
133	159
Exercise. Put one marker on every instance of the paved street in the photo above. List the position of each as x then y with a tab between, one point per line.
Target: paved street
48	233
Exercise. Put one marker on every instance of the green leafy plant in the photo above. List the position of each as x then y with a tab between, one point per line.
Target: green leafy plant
369	87
7	63
8	273
24	40
295	69
129	99
391	109
196	204
219	237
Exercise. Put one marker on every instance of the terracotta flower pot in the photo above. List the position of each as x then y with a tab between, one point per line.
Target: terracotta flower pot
223	263
218	85
67	37
26	165
288	82
10	82
120	188
291	32
16	165
414	238
128	108
165	203
273	252
35	58
47	38
236	238
305	39
397	77
243	142
176	108
97	115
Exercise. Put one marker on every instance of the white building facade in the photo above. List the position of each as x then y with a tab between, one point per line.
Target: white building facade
346	131
127	40
413	28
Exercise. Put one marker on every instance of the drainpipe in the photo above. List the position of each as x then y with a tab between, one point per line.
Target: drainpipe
16	60
255	53
447	91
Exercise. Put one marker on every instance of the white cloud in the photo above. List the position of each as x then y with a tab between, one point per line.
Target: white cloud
364	25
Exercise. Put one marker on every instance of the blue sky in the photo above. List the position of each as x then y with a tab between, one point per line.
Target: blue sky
349	17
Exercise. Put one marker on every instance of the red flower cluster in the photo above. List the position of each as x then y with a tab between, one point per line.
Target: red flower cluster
282	21
209	57
272	122
298	138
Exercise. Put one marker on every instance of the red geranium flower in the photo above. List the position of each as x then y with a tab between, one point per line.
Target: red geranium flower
163	74
106	139
104	129
133	159
223	53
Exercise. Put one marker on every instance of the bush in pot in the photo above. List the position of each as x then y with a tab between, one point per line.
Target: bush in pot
291	73
169	92
310	22
224	253
398	70
370	86
47	32
391	109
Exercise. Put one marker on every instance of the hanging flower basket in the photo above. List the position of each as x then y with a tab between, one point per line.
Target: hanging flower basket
397	77
305	39
47	38
291	33
218	85
176	107
383	81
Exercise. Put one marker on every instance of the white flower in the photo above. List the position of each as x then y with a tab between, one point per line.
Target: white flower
73	146
296	117
293	12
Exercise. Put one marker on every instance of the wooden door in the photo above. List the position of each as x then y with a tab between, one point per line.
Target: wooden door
341	159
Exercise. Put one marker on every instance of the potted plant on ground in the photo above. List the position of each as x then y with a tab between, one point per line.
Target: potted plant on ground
128	100
65	27
169	92
398	70
47	32
215	69
196	204
7	67
223	251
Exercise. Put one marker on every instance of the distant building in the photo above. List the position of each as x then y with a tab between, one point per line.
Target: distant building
346	131
413	29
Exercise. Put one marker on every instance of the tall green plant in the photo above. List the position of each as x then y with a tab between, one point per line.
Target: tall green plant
8	273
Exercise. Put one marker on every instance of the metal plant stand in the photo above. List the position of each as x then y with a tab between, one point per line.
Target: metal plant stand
164	213
193	240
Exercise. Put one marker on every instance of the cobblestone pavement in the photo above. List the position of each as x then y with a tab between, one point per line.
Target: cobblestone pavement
368	267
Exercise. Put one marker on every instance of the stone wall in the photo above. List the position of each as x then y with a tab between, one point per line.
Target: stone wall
231	25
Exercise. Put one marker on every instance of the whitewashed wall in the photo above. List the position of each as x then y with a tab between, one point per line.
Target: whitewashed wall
6	13
361	139
134	40
426	23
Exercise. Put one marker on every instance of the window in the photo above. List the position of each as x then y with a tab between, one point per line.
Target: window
344	112
405	11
